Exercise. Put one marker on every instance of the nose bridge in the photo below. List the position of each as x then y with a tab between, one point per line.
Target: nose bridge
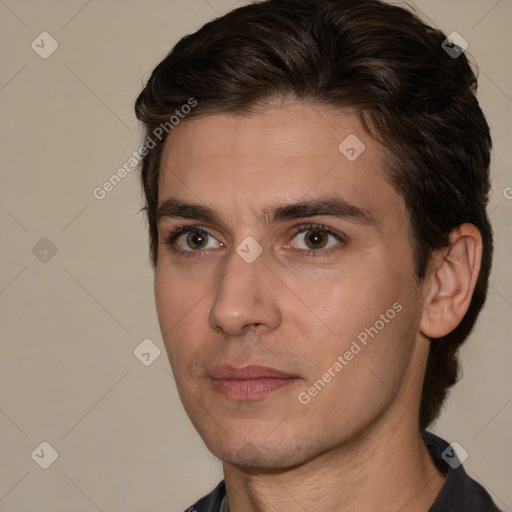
239	276
240	295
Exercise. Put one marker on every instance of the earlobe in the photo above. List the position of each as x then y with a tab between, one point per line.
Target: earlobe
452	281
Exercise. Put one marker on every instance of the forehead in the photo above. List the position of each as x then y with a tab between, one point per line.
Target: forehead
290	129
283	153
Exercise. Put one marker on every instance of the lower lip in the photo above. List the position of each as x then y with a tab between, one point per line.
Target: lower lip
249	389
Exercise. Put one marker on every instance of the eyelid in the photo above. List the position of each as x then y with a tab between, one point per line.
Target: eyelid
174	233
341	238
318	227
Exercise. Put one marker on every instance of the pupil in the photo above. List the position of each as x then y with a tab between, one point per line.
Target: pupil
316	239
196	239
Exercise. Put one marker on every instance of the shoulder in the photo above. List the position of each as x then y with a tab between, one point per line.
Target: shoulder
460	493
211	502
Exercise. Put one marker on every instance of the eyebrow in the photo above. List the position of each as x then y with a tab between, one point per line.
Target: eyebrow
328	207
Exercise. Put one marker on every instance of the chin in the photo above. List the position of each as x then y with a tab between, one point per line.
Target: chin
251	456
258	450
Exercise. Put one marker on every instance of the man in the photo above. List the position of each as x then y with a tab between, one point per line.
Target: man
316	181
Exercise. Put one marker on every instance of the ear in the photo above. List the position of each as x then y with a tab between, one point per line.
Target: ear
451	283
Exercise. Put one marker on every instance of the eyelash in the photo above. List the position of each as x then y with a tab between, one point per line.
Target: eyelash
177	232
180	230
319	227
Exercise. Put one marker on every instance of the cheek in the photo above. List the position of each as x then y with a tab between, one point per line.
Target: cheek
179	292
359	375
344	302
179	306
370	322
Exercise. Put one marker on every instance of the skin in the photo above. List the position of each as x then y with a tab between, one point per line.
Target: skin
356	445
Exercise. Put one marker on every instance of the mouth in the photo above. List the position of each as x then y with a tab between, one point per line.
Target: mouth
249	382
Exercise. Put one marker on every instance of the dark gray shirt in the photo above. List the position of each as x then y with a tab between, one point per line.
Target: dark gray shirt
460	493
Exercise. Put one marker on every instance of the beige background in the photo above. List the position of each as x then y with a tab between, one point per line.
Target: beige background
70	324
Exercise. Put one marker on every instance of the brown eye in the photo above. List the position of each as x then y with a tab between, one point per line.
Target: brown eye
192	240
316	238
196	239
312	238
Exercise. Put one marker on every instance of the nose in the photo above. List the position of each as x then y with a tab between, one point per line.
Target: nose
245	296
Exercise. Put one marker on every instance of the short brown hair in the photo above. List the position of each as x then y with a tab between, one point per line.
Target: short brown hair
413	97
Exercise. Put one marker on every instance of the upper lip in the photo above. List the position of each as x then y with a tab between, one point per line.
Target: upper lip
227	371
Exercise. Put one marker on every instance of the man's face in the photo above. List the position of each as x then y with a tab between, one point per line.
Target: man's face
324	269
